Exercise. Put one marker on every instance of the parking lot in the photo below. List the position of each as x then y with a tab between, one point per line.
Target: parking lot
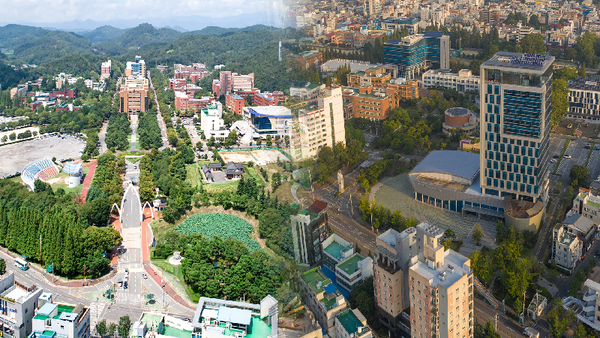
578	154
16	156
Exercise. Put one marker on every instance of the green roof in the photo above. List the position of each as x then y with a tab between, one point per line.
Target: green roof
177	333
351	323
594	204
335	249
40	317
350	264
313	277
329	303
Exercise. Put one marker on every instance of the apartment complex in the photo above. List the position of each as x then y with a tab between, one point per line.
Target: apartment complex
61	320
372	8
463	82
232	82
17	307
515	113
415	53
105	70
441	288
572	239
319	125
309	230
322	298
137	68
584	99
134	95
392	255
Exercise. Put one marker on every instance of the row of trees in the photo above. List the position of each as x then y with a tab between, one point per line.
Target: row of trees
117	132
381	217
330	160
51	229
149	131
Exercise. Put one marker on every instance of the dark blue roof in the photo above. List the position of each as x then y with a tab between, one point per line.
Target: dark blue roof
394	41
434	34
330	288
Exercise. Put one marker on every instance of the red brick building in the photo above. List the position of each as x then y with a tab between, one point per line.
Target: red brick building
306	60
185	102
235	103
268	99
175	83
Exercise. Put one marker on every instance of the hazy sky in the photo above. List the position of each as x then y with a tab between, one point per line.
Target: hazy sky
44	11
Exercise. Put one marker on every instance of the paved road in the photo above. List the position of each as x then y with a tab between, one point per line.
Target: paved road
134	125
102	138
352	231
506	327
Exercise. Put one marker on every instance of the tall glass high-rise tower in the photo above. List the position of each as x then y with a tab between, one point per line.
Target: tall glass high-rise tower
515	116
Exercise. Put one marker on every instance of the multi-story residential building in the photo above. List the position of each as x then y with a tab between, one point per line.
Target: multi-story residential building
319	125
137	68
61	320
515	125
566	248
306	60
366	102
524	31
573	239
440	288
490	15
212	123
372	8
464	81
352	324
335	250
398	24
587	309
105	70
322	298
415	53
353	271
392	255
584	99
17	307
225	318
232	82
309	230
375	76
586	203
235	103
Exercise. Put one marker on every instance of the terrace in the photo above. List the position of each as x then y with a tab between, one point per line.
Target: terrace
350	265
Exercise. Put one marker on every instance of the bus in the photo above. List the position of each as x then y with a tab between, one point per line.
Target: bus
21	264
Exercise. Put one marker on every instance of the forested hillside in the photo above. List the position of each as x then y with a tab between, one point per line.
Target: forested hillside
103	33
52	46
141	35
12	36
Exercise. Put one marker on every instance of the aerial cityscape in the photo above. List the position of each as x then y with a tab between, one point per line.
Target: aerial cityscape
300	169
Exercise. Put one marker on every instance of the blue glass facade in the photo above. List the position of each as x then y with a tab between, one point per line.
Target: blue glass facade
515	131
411	54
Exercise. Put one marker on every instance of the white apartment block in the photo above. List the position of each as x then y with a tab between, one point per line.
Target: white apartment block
320	125
587	204
584	99
17	307
61	320
353	271
566	250
441	288
464	81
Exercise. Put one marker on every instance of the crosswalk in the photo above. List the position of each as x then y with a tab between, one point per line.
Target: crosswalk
96	309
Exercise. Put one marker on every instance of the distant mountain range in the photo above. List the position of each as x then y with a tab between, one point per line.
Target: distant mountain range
36	45
180	23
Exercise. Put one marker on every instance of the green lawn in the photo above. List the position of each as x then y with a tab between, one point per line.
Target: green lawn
178	272
217	187
193	173
252	173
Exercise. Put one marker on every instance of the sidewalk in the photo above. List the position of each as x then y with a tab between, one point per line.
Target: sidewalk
87	180
168	289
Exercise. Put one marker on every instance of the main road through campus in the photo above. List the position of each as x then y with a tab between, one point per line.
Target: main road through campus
127	301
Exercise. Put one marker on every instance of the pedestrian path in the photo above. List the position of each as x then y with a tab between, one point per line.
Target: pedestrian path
87	180
96	310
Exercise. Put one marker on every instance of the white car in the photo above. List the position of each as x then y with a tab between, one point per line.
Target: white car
553	160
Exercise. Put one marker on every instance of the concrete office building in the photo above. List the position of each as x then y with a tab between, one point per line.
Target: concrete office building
416	53
319	125
441	288
309	230
17	307
463	82
584	99
515	113
392	255
61	320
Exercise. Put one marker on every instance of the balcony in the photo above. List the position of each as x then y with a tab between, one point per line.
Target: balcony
589	297
589	308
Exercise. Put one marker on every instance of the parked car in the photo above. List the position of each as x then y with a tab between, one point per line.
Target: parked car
144	276
568	157
552	160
